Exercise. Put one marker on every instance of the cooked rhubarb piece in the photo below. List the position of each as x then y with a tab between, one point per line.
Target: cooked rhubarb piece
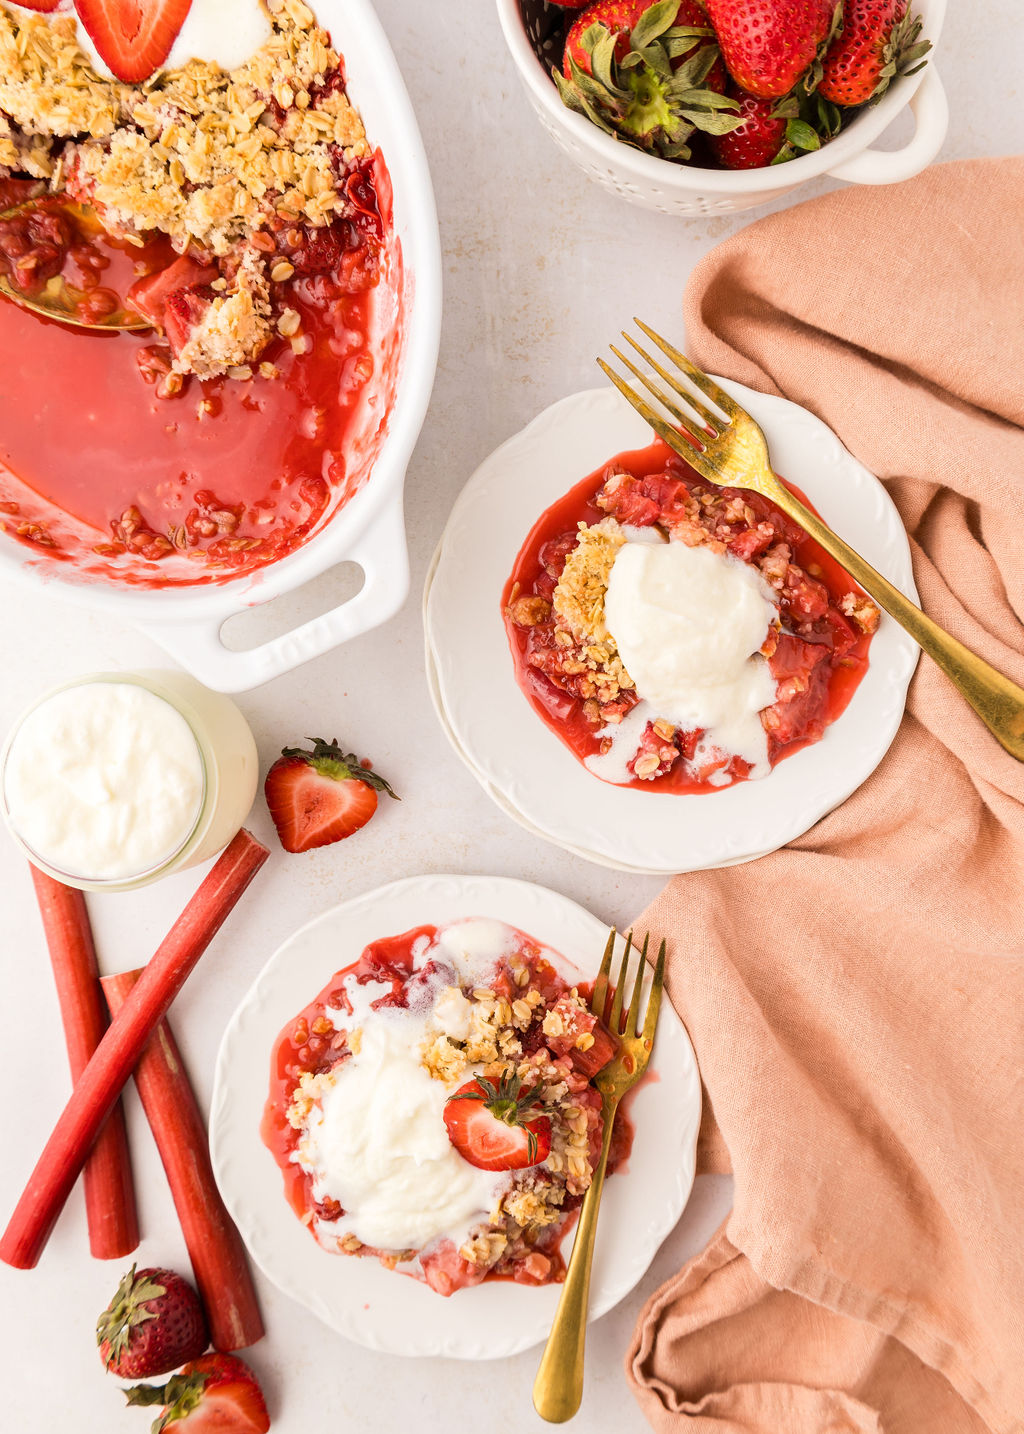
792	647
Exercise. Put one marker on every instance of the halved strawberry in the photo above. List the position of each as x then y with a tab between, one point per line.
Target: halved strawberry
216	1394
320	797
44	6
133	37
491	1126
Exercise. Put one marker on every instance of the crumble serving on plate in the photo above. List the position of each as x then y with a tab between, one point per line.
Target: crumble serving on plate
409	1028
814	624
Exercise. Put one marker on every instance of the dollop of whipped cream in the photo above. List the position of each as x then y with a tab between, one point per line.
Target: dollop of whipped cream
688	624
375	1140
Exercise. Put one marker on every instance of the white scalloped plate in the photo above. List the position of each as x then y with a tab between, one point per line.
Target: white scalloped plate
359	1298
525	767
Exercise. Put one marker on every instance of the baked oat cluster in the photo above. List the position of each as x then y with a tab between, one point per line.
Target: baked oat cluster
223	163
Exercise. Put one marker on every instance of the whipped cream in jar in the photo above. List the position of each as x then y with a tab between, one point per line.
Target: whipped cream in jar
114	780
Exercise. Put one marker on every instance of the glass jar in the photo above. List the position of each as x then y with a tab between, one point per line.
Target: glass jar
116	779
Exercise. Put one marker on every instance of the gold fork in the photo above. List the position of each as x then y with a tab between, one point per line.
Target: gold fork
732	452
558	1388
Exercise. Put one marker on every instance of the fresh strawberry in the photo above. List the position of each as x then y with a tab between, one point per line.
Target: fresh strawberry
491	1125
45	6
153	1324
133	37
216	1394
772	130
879	39
770	45
322	796
647	73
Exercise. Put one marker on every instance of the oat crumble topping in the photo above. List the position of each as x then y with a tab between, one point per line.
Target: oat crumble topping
206	156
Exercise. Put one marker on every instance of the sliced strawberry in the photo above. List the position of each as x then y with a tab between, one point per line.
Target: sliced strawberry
148	296
133	37
320	797
215	1394
491	1125
43	6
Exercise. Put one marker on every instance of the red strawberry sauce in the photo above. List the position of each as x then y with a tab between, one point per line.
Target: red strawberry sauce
96	466
311	1043
835	650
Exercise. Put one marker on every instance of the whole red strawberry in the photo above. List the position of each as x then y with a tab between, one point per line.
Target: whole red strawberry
153	1324
879	40
647	72
217	1394
770	45
322	796
772	130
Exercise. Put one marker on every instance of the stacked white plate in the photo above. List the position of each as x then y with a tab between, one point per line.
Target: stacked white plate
524	767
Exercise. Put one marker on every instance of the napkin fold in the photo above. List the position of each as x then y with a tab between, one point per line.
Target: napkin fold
856	1000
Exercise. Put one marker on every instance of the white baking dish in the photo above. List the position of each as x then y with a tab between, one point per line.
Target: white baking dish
369	529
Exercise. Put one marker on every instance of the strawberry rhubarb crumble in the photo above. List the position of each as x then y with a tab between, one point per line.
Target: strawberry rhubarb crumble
433	1107
678	636
208	180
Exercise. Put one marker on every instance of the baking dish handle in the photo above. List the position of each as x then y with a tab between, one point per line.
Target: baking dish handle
381	553
885	166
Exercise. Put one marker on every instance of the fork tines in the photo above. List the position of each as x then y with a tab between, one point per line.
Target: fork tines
694	423
628	1024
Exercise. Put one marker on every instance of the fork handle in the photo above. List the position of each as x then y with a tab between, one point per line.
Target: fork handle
558	1388
998	701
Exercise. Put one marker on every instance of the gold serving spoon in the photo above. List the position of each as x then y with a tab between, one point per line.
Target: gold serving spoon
57	299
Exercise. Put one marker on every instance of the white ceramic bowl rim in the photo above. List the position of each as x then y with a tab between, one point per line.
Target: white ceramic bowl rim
849	142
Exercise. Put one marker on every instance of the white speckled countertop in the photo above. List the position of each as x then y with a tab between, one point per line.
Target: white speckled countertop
541	271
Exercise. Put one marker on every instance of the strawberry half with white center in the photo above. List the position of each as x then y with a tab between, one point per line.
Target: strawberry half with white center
133	37
153	1324
494	1127
216	1394
322	796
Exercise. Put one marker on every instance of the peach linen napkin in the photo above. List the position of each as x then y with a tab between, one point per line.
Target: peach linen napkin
856	1000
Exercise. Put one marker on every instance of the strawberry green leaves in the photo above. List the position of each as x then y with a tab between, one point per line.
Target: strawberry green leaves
646	86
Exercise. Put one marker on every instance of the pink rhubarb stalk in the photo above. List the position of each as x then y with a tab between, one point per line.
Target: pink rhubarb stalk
107	1177
115	1057
214	1245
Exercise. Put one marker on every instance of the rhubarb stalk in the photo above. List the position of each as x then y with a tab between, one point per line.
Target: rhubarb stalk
104	1077
214	1245
107	1177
